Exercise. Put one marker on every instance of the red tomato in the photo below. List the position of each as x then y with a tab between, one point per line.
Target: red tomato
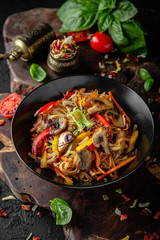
80	36
9	105
101	42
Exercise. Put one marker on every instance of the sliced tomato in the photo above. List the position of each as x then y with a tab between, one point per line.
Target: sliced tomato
9	105
80	36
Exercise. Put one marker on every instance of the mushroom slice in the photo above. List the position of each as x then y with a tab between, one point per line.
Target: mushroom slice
100	104
68	103
58	125
118	121
64	140
100	139
86	157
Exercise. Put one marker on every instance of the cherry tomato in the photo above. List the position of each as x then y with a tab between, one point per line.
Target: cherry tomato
101	42
80	36
9	105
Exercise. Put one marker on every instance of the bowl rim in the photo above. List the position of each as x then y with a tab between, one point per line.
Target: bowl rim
101	184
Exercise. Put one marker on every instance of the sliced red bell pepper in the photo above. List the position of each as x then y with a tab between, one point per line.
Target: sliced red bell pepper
91	147
101	119
37	140
44	108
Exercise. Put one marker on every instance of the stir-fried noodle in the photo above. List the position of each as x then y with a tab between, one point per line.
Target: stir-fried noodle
85	135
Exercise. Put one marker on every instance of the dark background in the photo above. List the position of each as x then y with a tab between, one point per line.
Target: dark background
20	223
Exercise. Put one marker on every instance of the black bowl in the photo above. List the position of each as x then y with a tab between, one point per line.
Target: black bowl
130	101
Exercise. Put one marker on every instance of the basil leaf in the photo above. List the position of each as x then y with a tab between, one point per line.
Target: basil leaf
106	4
116	33
135	37
145	75
66	8
79	19
62	210
148	84
37	72
125	11
104	20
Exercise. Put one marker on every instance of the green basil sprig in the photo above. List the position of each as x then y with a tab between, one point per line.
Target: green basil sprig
111	15
37	72
146	76
62	210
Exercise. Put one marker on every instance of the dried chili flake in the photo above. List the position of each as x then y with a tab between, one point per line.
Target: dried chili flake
2	122
39	214
118	190
144	212
136	59
113	74
157	100
26	207
3	213
134	204
156	216
125	197
123	217
156	236
147	236
36	238
126	238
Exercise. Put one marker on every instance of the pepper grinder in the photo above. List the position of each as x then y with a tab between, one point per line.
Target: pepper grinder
32	43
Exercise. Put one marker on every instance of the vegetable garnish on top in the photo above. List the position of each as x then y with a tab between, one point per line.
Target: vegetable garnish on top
84	136
64	48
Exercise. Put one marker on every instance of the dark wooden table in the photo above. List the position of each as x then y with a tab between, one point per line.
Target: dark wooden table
93	217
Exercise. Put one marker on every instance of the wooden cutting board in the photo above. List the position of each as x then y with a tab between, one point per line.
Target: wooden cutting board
93	217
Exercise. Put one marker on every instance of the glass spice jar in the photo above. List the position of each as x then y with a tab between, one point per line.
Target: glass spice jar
63	57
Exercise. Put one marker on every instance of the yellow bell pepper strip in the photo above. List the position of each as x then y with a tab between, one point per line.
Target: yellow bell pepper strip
88	143
130	159
132	140
119	107
37	140
54	145
101	119
43	160
79	138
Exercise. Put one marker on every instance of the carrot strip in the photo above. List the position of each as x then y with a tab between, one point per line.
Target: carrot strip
98	161
119	107
127	127
117	167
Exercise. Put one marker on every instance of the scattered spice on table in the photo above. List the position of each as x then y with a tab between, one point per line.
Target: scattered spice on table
3	213
35	238
126	238
157	99
143	205
10	197
39	214
118	190
105	197
26	207
150	100
144	212
123	217
125	197
134	203
2	122
30	235
156	216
